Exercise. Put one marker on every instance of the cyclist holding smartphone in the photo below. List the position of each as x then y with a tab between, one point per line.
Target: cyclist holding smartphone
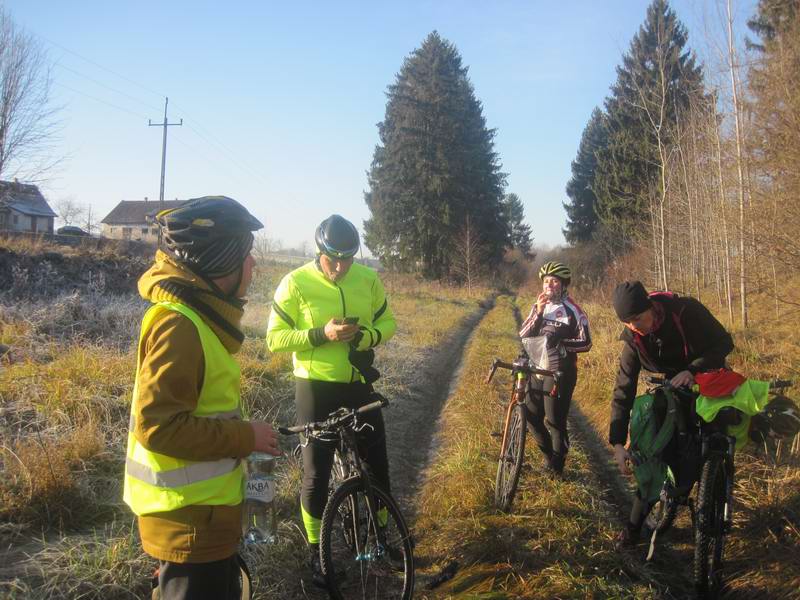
331	313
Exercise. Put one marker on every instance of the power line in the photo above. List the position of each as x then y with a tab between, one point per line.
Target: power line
215	163
108	87
209	138
244	165
96	99
229	155
99	66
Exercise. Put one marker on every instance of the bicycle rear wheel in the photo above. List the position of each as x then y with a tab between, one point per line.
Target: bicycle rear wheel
511	457
356	563
710	527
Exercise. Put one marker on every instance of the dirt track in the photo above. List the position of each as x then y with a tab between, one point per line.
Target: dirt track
413	419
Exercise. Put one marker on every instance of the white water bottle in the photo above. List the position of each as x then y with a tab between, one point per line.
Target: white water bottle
258	514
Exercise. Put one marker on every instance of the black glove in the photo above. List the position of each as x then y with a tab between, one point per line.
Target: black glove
362	360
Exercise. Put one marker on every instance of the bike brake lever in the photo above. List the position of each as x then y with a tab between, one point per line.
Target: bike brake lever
361	427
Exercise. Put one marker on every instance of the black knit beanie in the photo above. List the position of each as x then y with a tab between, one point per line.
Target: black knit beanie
630	299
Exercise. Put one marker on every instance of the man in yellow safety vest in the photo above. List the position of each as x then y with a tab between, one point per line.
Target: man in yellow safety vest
187	439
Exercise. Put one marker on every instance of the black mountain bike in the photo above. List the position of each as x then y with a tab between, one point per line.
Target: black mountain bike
366	549
712	509
512	447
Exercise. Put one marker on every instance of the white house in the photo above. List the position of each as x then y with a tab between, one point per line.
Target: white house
133	219
23	208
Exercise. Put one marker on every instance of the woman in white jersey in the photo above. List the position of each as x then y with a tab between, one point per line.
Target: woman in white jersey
565	329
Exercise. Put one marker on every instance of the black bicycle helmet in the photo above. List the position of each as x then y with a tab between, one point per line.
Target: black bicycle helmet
783	417
337	237
201	221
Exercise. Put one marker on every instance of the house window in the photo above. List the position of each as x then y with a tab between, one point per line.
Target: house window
126	233
144	230
16	219
2	220
154	231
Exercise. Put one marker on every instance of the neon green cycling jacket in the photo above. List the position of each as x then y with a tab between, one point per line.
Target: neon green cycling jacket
306	300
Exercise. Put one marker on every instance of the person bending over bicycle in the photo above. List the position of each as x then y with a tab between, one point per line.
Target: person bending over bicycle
331	313
565	328
669	334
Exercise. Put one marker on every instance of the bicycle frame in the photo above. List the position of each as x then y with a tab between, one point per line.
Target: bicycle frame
521	371
343	426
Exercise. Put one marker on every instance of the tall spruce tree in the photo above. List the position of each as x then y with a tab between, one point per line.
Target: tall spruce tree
434	166
581	208
514	217
656	82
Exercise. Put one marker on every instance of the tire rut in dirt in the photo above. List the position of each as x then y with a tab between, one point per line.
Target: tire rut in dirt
413	421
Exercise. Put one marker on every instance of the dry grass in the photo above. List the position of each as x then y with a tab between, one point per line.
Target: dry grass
557	542
64	401
763	552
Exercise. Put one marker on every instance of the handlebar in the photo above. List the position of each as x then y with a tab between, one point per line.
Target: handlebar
336	419
521	366
774	384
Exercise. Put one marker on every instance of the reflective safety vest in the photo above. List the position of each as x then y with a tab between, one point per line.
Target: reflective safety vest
156	482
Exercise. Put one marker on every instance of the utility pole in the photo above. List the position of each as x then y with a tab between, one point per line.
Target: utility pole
165	124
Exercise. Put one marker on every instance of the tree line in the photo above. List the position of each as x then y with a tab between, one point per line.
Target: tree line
688	173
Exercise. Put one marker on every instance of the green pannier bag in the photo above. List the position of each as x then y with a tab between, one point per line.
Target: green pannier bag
654	420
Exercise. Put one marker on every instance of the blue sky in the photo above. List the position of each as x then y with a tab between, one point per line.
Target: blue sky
280	101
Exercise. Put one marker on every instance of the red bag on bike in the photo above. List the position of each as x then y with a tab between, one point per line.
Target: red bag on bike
719	383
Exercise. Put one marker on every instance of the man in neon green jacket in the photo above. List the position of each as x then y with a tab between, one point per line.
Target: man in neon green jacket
331	313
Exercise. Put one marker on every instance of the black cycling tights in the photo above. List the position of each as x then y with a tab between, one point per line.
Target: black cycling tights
315	400
547	415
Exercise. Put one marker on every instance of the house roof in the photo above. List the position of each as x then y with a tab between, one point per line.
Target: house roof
24	198
137	212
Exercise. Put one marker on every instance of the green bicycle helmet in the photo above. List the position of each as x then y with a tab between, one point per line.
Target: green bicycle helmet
556	269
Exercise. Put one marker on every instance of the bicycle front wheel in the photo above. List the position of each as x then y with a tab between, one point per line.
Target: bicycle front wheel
511	457
365	555
710	527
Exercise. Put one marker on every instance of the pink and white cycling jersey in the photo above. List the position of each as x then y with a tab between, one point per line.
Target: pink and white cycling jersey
563	320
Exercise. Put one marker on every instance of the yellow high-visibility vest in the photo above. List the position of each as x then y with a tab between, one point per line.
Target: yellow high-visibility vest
156	482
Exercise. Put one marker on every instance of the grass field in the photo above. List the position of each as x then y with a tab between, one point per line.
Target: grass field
557	542
65	391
